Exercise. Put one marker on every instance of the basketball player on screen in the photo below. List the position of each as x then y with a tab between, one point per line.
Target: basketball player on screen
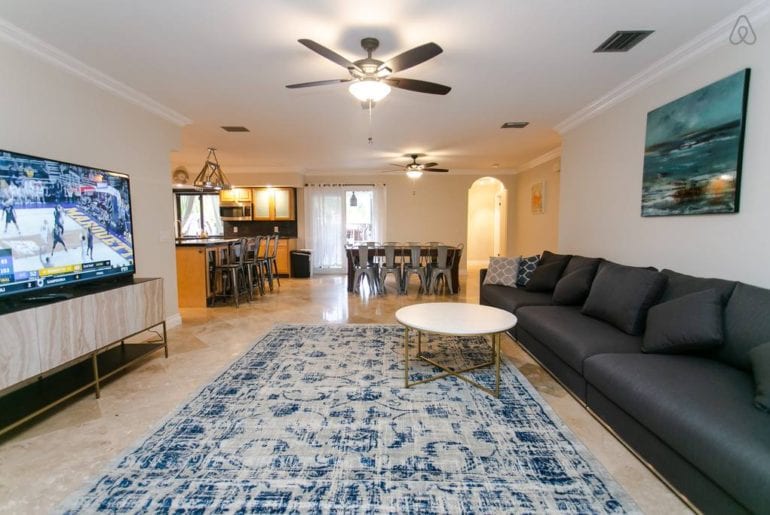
58	233
10	215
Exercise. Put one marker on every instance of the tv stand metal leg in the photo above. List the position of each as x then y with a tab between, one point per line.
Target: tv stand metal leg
97	389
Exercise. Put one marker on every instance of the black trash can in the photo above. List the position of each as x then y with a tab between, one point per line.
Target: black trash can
300	263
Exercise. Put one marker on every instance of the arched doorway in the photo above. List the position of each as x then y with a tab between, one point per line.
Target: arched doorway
487	220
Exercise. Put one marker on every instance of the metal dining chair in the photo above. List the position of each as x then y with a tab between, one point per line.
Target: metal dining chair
390	266
362	267
415	267
442	269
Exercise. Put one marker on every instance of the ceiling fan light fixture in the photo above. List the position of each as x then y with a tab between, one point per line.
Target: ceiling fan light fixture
367	90
414	174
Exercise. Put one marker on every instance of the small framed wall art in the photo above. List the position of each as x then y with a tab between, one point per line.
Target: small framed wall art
537	198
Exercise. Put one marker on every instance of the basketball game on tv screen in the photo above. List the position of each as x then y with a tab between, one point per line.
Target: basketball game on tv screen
61	223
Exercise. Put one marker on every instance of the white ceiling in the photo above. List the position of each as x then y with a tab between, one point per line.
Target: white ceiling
226	63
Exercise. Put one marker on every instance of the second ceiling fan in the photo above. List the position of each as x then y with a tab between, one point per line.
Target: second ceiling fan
371	78
414	169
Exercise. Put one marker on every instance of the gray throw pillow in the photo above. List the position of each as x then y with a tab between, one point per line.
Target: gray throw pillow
503	271
760	366
572	289
621	296
527	266
689	323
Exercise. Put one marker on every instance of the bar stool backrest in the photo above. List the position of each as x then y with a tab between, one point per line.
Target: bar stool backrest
242	251
274	246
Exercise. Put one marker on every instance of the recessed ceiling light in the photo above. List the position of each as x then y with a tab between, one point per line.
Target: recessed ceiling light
623	40
514	125
235	128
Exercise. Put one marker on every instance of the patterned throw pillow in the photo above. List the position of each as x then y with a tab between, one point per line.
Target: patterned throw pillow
503	271
527	266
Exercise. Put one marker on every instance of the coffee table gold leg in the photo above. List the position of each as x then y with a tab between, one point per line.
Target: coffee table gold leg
496	339
419	343
406	357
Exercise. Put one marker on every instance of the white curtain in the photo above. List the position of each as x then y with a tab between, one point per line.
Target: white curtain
379	212
325	227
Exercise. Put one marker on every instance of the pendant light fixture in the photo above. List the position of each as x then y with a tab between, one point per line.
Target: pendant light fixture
353	200
212	177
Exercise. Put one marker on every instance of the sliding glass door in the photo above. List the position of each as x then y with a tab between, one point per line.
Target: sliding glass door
337	215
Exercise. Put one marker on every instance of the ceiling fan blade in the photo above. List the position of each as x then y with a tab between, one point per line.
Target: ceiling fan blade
316	83
443	170
419	86
398	165
429	165
328	53
412	57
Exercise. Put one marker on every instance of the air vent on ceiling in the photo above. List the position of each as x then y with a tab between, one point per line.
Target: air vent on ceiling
235	128
514	125
623	40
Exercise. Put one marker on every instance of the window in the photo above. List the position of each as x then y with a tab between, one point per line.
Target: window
197	215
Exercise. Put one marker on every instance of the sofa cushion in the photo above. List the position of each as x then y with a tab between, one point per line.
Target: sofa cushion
621	295
578	262
699	407
688	323
503	270
527	266
679	285
548	271
511	299
760	368
747	324
572	289
572	335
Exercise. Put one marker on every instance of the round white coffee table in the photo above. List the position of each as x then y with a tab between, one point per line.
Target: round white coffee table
455	319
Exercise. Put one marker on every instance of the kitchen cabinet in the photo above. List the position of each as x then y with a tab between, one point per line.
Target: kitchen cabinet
274	204
285	246
235	195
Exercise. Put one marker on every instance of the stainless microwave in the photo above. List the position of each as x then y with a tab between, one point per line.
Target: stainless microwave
235	211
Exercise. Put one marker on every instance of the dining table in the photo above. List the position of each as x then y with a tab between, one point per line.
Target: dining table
427	251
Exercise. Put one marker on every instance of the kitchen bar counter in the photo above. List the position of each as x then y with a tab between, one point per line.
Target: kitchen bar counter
204	242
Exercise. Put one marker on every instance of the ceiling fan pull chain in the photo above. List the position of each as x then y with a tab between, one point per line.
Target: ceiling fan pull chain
370	122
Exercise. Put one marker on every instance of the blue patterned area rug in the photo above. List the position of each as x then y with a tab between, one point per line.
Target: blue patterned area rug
315	419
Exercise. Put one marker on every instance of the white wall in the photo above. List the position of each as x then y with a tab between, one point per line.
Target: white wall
481	220
432	208
49	113
601	181
535	233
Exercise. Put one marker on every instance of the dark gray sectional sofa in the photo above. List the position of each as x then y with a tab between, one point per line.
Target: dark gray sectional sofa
690	414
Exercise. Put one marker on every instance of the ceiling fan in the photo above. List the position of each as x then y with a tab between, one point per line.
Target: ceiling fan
371	78
414	169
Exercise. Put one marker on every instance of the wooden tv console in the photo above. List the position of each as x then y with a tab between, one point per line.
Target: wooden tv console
51	352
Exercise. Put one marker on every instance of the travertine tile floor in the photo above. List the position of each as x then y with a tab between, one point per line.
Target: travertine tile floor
61	452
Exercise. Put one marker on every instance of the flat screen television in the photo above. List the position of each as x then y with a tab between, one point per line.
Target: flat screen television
61	225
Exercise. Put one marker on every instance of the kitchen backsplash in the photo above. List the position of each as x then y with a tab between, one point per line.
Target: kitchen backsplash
256	228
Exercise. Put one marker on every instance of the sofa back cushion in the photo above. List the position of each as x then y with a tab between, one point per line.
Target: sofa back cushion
548	272
689	323
681	284
578	262
575	282
747	324
622	295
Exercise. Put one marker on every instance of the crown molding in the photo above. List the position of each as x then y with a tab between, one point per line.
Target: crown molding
541	159
36	46
758	13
